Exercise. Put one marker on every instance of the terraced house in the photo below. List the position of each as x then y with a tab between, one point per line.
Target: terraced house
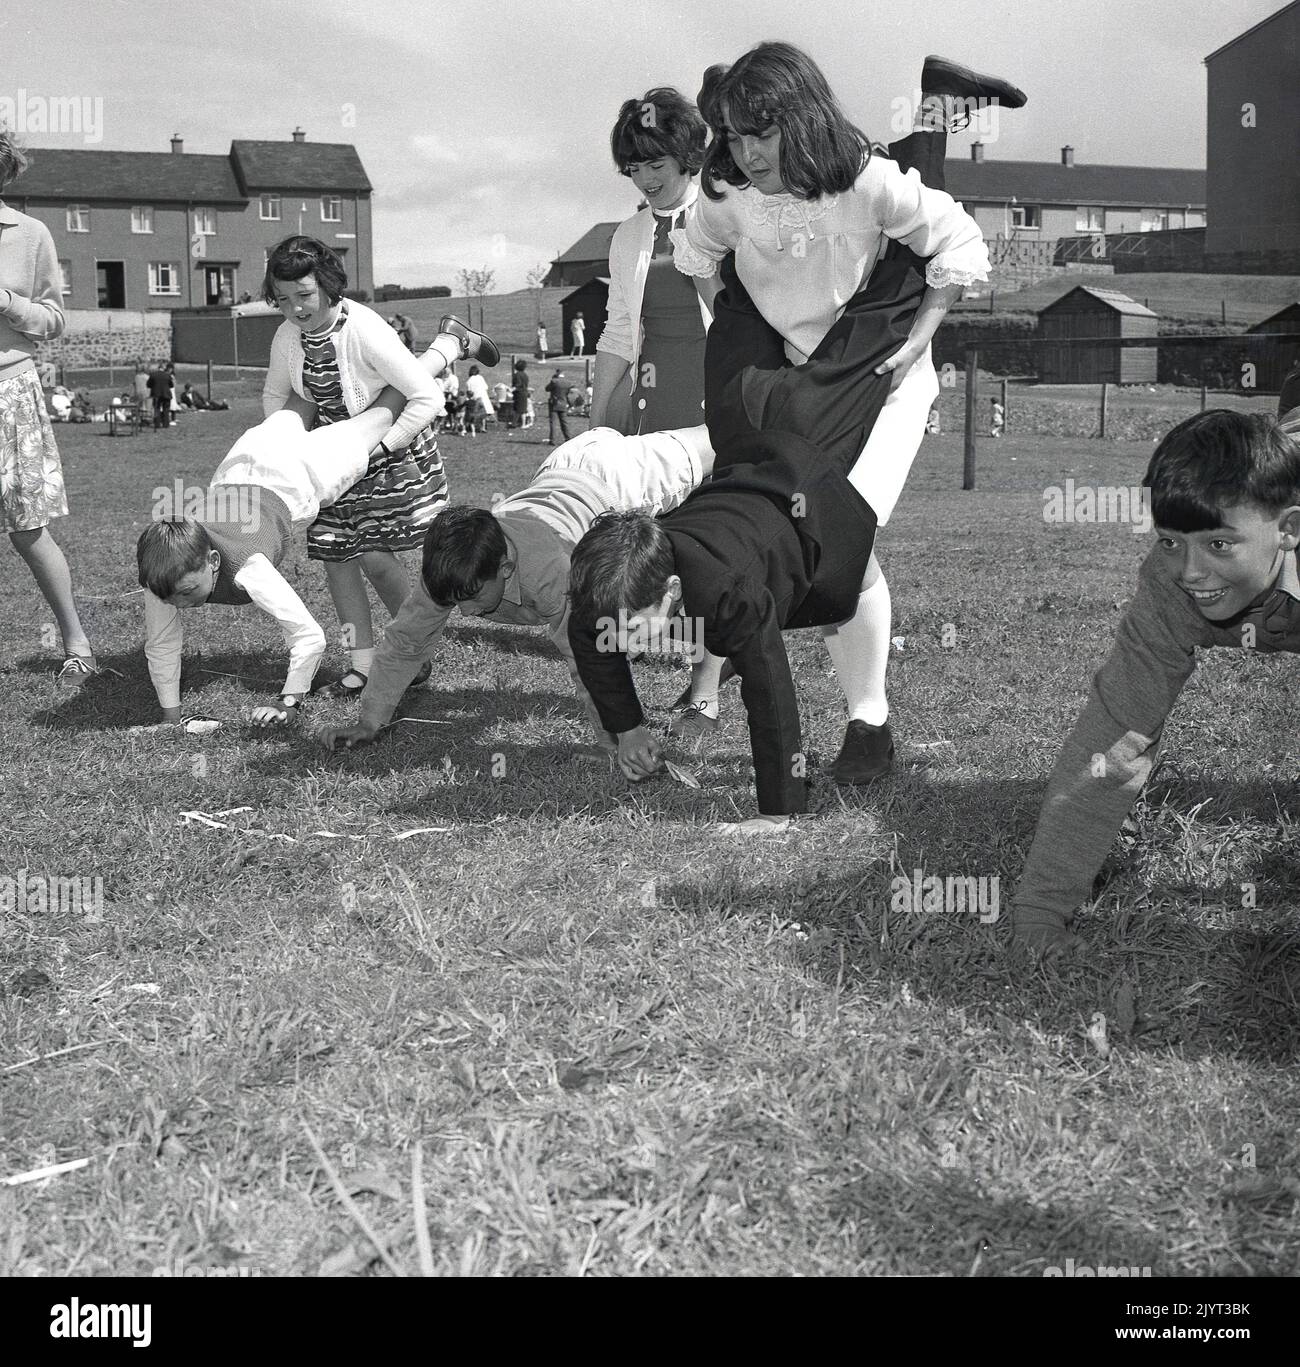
170	230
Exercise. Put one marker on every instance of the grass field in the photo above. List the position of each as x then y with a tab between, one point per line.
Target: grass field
590	1037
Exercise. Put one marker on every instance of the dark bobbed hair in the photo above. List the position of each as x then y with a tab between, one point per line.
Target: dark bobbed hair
13	157
776	83
298	256
1217	459
662	123
622	563
168	550
463	549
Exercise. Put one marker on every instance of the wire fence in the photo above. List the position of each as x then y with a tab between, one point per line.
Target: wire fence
1247	369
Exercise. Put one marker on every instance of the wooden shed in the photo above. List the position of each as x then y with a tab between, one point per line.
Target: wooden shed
1273	360
592	301
1090	312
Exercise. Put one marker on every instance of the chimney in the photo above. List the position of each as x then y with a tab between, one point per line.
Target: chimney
1067	156
299	135
178	143
977	151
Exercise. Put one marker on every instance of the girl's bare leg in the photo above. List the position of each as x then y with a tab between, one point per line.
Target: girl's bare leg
49	568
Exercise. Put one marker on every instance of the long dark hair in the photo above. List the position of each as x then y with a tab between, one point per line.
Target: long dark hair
777	83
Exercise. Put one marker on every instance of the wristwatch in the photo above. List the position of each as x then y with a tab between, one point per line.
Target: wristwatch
290	702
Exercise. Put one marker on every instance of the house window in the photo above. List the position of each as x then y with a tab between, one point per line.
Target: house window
269	208
205	222
142	218
1088	219
65	275
1025	216
78	218
164	277
1154	220
331	209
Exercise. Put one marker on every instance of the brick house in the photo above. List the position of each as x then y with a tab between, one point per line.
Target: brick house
169	230
1023	207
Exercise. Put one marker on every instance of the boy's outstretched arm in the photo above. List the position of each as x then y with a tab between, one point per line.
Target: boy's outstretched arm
271	592
604	673
162	649
408	641
559	632
747	633
1107	758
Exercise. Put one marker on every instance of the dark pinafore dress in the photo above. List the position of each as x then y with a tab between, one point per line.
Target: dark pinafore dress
669	380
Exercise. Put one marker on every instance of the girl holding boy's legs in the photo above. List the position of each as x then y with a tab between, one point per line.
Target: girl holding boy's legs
846	400
347	579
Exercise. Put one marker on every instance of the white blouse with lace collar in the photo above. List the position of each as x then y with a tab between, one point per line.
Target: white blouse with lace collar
802	260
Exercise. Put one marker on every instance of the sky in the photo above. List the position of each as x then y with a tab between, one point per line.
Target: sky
485	128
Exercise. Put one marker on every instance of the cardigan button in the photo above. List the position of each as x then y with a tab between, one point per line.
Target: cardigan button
640	403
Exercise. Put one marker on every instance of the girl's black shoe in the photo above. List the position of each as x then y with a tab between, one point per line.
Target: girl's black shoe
866	755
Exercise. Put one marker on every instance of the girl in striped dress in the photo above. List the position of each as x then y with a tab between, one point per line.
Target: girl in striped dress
337	354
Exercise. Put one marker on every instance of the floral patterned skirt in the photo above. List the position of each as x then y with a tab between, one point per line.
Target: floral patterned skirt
31	477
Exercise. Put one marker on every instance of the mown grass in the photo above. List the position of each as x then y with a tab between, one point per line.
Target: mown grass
617	1045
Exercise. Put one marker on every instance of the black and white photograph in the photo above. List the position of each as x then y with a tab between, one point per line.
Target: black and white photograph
649	641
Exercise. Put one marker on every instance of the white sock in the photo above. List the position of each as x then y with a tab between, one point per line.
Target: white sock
361	660
860	652
448	347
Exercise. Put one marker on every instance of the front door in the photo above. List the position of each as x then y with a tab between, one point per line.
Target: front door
218	285
110	283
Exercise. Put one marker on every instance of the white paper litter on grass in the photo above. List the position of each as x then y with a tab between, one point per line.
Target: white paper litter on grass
422	830
682	775
204	819
37	1174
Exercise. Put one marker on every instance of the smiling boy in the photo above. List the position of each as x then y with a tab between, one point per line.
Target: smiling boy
1225	497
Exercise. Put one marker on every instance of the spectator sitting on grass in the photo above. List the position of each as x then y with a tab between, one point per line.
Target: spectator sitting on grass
1225	497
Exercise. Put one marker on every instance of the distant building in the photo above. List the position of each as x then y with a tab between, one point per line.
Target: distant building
159	230
587	259
1017	203
1273	361
1089	312
1252	118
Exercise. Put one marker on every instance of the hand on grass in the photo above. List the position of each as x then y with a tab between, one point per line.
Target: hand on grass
639	754
348	737
273	714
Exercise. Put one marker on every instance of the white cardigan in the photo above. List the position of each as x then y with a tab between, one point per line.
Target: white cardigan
371	356
630	253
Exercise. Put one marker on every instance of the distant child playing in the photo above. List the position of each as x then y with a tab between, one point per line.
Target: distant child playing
337	354
1225	498
274	482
